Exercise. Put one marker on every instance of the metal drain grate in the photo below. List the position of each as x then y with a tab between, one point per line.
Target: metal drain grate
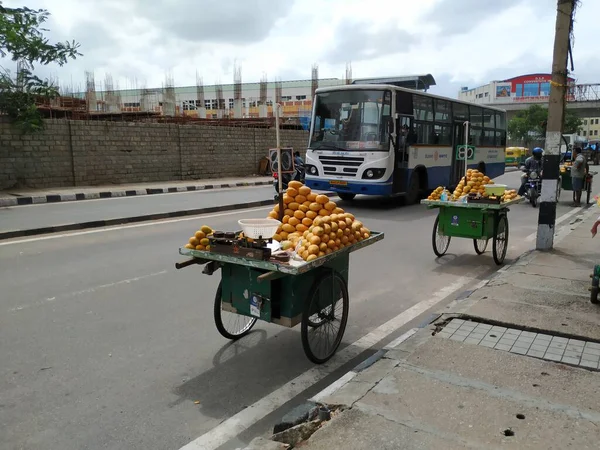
544	346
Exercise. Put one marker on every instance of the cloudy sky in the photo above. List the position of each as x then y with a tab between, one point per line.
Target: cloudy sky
460	42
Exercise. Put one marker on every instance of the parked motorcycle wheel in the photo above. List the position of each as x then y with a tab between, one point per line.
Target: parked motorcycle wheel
533	197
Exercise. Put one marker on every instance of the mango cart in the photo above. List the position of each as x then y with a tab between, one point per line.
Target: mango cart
480	221
257	283
566	182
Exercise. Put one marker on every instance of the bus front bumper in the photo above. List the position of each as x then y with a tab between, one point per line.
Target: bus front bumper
349	187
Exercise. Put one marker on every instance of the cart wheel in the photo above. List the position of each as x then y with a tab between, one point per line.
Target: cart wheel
594	291
238	325
500	243
533	197
439	241
325	316
480	245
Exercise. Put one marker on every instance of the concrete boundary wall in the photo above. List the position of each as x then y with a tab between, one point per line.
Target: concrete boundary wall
89	153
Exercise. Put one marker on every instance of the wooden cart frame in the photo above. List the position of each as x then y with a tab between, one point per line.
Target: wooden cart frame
477	221
308	294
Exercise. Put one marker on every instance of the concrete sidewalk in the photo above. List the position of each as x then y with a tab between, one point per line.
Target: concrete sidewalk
25	196
512	364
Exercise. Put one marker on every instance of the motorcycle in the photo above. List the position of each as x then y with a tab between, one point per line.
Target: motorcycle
533	188
298	175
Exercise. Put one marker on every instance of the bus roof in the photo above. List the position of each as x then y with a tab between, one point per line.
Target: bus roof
381	87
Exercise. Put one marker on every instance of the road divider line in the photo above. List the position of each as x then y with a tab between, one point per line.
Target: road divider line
244	419
86	291
124	227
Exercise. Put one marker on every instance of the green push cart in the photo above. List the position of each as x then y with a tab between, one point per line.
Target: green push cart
313	294
477	221
566	183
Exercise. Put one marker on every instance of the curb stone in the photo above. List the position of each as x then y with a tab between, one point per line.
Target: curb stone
460	297
135	219
56	198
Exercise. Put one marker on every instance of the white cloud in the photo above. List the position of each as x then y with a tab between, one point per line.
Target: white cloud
460	42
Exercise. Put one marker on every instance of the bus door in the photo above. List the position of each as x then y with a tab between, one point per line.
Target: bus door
404	127
457	167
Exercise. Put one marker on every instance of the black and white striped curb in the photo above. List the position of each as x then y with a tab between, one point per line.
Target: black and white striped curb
55	198
134	219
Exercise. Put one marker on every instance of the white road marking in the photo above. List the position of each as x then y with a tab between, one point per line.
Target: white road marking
339	383
399	340
86	291
241	421
45	237
561	219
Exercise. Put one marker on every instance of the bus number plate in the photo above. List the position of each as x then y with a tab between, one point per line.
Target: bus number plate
338	183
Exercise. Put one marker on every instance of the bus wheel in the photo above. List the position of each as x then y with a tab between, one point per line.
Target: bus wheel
346	196
414	189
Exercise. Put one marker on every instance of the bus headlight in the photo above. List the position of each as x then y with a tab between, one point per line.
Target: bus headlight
312	170
373	174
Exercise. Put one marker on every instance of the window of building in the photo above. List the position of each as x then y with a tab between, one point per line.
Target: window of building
595	132
222	103
531	90
269	102
486	94
286	98
423	108
214	104
300	97
596	121
231	103
585	121
131	105
207	104
519	90
584	132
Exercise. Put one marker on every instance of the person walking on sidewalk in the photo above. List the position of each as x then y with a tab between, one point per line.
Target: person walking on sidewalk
578	175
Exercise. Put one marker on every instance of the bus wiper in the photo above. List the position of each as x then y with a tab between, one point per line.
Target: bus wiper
328	146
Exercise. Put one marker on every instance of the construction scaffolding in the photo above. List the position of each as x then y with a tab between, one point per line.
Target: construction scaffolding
90	91
200	103
315	80
237	91
220	107
169	100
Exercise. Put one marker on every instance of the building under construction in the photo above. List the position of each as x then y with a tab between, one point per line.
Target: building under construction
241	104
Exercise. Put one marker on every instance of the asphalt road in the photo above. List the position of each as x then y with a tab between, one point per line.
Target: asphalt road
53	214
106	345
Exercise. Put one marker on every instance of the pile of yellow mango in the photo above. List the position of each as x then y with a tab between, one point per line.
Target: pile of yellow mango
315	225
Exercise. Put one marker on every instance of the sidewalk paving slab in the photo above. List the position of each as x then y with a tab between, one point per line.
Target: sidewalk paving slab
28	196
463	381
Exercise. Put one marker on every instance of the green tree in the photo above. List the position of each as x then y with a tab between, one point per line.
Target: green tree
530	124
22	39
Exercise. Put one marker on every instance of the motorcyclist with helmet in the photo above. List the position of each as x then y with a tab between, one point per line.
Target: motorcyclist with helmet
532	164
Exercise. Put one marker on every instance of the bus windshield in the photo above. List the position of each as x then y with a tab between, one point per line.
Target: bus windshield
352	120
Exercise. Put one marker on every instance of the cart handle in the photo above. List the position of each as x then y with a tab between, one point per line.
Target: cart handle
187	263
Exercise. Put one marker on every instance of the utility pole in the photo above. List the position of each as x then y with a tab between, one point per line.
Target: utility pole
556	114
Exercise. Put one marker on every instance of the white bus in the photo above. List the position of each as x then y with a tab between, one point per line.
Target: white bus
385	140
